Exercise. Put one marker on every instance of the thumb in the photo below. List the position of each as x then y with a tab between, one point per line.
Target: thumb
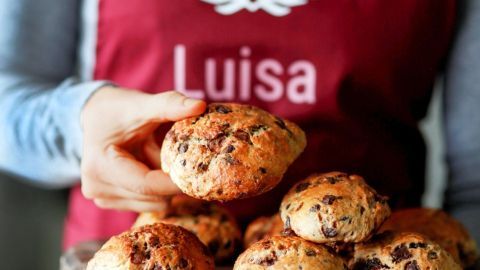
171	106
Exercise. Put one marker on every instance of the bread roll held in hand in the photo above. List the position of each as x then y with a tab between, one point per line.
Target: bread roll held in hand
231	151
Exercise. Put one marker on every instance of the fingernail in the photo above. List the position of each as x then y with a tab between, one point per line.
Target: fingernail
190	102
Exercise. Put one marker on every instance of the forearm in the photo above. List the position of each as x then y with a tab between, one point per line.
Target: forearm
40	134
40	128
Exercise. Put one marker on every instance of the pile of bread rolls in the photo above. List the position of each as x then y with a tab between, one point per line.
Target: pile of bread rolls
327	221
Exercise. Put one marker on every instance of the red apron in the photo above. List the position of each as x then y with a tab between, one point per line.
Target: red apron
356	75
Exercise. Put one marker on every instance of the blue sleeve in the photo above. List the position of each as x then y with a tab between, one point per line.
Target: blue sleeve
462	119
40	96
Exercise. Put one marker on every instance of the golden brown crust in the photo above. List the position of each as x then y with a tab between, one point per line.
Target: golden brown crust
212	224
232	151
261	228
158	246
410	251
288	252
333	207
440	227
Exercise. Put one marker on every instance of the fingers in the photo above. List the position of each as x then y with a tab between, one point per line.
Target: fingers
172	106
131	205
92	189
119	168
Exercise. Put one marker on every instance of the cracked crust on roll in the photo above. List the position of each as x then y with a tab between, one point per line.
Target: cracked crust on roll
288	253
333	207
402	251
211	223
153	247
231	151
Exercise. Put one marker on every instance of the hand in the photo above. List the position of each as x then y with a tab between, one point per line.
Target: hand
115	122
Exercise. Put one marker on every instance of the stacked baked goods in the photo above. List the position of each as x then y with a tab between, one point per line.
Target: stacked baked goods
327	221
343	215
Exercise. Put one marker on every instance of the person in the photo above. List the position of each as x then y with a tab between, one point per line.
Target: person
84	91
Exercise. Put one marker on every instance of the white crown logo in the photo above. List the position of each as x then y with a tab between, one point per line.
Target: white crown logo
274	7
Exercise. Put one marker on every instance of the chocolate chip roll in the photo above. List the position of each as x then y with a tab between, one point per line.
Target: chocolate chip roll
231	151
401	251
153	247
333	207
288	252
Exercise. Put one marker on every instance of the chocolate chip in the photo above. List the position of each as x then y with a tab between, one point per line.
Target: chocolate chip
315	208
136	255
182	148
222	109
202	166
299	206
230	160
229	148
171	136
400	253
370	264
266	244
288	232
417	245
263	170
220	192
243	136
362	210
329	232
269	260
282	125
183	137
412	265
329	199
335	179
310	253
183	162
214	246
215	144
154	241
183	263
147	255
257	128
301	187
432	255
